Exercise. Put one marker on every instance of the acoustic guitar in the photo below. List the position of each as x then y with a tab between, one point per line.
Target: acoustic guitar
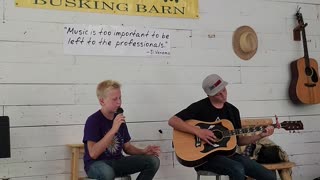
191	151
305	86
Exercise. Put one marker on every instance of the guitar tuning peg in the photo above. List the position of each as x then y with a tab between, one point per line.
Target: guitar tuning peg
298	8
277	121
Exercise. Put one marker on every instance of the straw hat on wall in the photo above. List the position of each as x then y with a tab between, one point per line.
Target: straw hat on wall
245	42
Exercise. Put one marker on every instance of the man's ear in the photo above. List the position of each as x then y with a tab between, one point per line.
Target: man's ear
101	101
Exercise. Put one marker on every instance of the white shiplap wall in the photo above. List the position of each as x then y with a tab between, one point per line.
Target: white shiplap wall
48	95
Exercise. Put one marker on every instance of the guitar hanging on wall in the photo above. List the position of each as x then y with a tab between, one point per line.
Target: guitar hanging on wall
305	86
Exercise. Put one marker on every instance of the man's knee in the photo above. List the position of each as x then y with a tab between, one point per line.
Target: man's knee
101	170
154	162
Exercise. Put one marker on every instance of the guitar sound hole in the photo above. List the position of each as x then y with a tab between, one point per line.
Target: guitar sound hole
218	134
308	71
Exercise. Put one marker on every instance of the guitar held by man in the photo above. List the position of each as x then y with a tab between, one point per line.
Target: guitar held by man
305	86
192	151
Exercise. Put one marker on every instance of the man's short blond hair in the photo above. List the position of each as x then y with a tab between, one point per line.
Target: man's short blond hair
105	86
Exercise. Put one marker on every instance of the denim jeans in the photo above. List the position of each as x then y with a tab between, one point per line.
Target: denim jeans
237	167
147	165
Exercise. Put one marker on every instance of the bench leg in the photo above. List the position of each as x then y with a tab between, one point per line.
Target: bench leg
285	174
75	164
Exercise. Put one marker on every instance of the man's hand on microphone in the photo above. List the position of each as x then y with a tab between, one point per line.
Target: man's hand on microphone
118	120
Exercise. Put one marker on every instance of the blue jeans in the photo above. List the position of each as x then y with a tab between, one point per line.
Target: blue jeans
237	167
109	169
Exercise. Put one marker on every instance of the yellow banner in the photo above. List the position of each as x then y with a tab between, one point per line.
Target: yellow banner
163	8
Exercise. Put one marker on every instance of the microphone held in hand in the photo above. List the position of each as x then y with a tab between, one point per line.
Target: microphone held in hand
119	110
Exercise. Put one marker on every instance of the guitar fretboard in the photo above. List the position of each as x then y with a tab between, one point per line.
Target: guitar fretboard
241	131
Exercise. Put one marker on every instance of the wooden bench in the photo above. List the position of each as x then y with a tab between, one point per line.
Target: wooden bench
76	150
283	168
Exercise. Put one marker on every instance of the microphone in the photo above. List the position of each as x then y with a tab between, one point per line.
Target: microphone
119	110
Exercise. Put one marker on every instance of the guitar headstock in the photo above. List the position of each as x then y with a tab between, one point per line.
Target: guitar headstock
292	125
299	17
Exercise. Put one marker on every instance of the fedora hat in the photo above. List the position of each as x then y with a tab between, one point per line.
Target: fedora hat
245	42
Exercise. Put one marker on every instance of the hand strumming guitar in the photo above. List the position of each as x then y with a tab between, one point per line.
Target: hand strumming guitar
207	136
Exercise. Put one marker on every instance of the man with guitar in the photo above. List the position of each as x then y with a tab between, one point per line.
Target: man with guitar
214	108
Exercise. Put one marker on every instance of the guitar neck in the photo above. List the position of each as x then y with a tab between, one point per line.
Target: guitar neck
302	27
305	48
237	132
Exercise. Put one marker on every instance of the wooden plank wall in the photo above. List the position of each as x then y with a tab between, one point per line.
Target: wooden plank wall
48	95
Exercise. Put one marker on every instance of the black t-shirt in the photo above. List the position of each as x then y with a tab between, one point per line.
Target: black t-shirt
204	111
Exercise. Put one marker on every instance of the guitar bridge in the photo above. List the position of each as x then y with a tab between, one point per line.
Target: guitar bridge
197	142
310	84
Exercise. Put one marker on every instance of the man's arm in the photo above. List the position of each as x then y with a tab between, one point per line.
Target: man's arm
180	125
245	140
149	150
97	148
204	134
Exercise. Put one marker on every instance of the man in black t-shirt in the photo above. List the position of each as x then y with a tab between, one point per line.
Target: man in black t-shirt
213	108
